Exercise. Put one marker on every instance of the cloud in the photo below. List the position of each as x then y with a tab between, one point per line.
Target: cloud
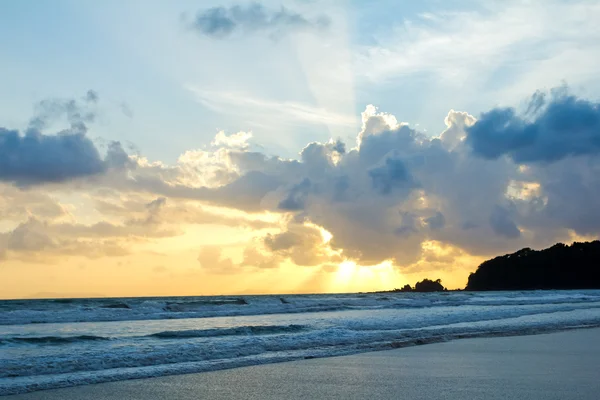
91	96
399	188
557	128
285	111
436	222
35	240
77	113
212	260
37	158
236	140
34	157
477	44
385	198
502	224
223	22
301	243
17	204
296	197
173	212
392	175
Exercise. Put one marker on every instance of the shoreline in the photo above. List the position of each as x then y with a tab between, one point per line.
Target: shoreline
535	347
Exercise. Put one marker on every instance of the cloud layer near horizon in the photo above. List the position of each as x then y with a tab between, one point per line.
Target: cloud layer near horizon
483	186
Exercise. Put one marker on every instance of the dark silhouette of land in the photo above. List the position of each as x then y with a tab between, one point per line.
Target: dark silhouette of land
426	285
558	267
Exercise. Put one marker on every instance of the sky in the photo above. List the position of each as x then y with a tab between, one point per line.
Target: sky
215	147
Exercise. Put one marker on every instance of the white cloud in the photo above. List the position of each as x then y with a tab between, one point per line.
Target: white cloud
513	47
235	140
246	104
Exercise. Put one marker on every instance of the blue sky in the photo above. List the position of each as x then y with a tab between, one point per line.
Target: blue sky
414	60
334	143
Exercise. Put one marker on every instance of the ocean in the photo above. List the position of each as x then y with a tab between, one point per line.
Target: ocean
65	342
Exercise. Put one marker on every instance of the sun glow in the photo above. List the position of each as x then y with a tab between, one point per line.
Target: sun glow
352	277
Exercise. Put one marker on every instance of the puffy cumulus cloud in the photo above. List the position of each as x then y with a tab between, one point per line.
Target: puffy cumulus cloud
223	22
392	175
456	123
34	157
399	188
554	127
296	198
224	176
236	140
482	187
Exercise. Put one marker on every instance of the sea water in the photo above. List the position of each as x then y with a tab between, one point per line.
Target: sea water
64	342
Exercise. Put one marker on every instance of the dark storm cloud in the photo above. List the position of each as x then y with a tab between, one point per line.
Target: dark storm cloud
221	22
557	128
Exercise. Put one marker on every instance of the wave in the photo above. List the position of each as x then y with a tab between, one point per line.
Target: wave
51	339
237	331
132	309
180	334
99	366
116	306
194	305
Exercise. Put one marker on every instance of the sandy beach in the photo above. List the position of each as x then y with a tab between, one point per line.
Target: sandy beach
561	365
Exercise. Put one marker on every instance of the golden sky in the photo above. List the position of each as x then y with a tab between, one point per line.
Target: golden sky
185	248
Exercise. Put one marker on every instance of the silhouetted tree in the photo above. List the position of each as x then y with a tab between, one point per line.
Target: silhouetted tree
427	285
558	267
405	288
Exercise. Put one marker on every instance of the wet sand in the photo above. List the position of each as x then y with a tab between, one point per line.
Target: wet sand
564	365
